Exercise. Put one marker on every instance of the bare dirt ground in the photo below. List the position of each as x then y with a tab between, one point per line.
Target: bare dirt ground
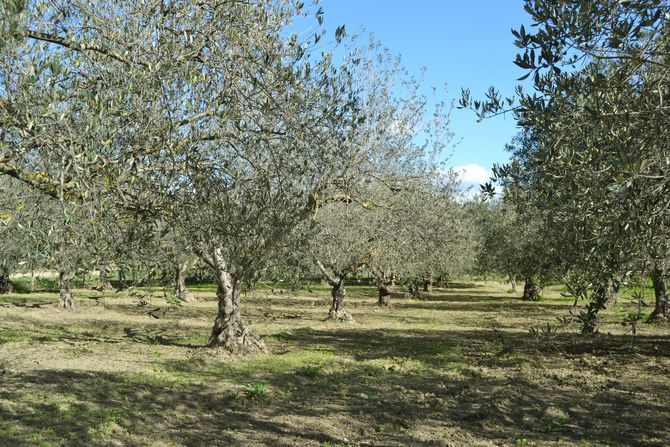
456	368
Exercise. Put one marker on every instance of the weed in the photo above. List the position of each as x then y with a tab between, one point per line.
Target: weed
256	391
521	442
550	331
545	332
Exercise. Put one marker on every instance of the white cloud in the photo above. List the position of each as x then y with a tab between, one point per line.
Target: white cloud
472	175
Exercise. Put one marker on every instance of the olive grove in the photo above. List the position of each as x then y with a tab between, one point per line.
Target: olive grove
202	129
598	165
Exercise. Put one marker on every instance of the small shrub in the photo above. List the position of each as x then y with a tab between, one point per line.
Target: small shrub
633	318
21	285
24	285
256	391
550	331
544	333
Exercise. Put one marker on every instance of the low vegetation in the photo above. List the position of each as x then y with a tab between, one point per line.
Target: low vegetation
455	367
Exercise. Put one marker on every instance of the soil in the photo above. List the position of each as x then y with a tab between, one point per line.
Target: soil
455	368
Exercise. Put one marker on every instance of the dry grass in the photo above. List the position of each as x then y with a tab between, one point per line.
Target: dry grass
456	368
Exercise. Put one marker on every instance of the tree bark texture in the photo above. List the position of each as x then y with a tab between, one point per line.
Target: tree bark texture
512	281
65	300
610	293
661	310
337	310
428	285
5	284
103	280
413	288
588	318
230	332
531	291
336	282
180	290
384	294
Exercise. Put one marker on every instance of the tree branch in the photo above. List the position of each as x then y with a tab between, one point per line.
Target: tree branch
58	40
332	280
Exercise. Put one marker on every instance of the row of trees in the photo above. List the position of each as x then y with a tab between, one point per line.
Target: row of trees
163	134
135	135
590	168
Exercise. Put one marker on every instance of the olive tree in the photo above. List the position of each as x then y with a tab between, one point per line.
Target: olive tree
396	144
597	112
437	238
197	114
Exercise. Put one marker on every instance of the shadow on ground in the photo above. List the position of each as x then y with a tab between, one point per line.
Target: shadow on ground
338	384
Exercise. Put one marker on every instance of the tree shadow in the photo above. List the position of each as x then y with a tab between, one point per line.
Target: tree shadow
545	407
459	285
462	297
421	344
524	309
102	409
475	386
151	332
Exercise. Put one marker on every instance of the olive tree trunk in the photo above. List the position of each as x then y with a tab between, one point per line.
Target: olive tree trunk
531	291
428	285
103	280
512	281
588	318
65	300
384	294
337	310
413	288
123	285
661	310
5	284
230	332
180	290
338	292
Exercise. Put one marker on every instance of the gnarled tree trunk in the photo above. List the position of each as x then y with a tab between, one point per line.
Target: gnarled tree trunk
384	294
180	290
661	310
230	332
338	292
5	284
123	284
531	291
413	288
610	293
598	302
512	281
428	285
65	300
337	310
103	280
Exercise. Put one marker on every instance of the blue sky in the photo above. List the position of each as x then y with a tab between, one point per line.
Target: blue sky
461	43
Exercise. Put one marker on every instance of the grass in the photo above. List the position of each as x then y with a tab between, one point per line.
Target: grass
457	367
256	391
